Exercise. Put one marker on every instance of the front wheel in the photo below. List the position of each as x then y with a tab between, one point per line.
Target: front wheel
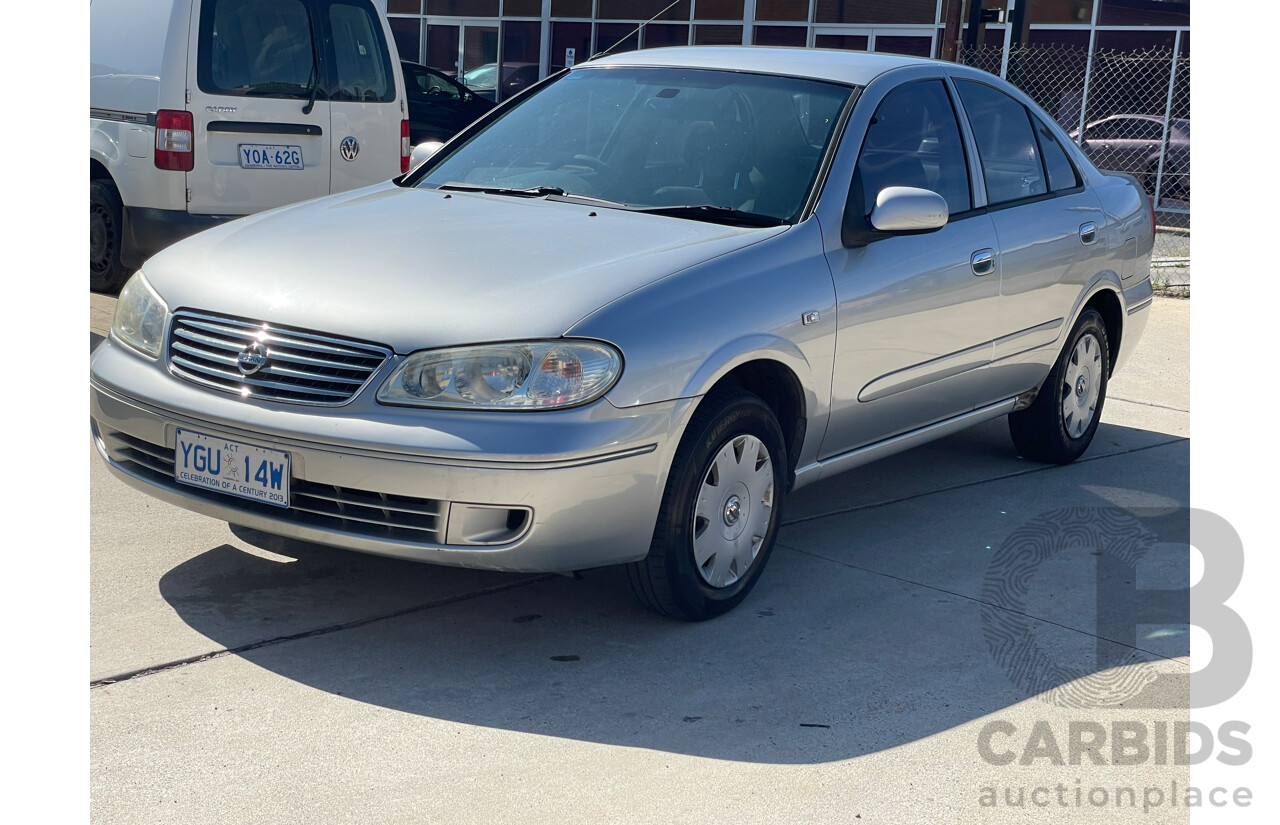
1060	423
720	512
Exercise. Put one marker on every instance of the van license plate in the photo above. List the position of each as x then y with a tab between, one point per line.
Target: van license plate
259	156
242	470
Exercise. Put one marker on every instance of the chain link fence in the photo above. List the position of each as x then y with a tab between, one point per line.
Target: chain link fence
1128	111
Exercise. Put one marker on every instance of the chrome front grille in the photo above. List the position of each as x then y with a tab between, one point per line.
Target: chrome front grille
301	367
362	512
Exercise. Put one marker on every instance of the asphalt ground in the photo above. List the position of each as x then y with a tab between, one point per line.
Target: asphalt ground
882	671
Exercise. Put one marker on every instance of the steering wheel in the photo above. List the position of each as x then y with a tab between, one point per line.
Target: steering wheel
594	164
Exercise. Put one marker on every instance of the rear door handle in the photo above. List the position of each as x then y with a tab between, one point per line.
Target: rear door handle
983	262
1088	233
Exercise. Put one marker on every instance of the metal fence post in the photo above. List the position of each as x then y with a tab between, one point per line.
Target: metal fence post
1088	78
1168	116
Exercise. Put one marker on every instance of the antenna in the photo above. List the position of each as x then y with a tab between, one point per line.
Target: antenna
633	31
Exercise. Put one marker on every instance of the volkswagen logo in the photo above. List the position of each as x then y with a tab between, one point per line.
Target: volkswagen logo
350	147
252	358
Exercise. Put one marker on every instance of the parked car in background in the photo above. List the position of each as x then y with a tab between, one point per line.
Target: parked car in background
705	278
201	111
516	77
1131	143
439	107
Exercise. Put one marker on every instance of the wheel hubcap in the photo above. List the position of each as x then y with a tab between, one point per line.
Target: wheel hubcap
734	510
1081	386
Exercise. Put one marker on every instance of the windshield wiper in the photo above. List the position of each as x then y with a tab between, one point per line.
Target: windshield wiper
714	214
530	192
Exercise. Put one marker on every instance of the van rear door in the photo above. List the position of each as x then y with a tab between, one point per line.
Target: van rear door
366	95
253	73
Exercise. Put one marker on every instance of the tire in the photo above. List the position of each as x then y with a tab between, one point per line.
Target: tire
720	511
1060	423
106	226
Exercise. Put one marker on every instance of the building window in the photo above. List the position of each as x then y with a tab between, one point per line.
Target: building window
1144	13
463	8
641	10
848	42
718	10
860	11
717	35
570	8
407	32
782	10
780	35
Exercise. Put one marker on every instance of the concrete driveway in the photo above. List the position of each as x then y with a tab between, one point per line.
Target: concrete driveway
880	672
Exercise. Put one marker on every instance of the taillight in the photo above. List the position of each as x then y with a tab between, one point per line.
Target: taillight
1152	206
175	140
405	148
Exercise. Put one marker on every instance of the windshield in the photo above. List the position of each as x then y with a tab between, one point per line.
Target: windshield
661	139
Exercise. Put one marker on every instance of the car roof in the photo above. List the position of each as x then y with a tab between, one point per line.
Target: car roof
858	68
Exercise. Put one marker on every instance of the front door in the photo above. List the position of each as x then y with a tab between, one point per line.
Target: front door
916	313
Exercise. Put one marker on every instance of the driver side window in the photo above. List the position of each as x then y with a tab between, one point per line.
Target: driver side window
913	140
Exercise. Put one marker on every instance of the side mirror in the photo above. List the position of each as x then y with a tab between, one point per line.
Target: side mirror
423	151
908	209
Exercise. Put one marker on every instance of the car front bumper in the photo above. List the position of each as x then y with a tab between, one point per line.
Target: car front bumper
532	492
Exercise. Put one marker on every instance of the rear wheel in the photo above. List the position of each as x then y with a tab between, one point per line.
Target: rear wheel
720	512
1060	423
106	229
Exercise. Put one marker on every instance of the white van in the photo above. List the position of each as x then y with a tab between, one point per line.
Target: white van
205	110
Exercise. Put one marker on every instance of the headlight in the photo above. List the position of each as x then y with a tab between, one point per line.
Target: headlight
524	376
140	317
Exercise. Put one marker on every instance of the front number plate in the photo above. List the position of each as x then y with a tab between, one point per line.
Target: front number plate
258	156
230	467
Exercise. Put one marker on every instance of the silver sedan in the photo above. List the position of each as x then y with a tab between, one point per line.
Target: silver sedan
624	315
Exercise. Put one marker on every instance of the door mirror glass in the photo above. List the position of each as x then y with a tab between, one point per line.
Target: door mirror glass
908	209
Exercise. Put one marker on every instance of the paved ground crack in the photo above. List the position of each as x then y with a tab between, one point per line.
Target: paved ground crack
319	631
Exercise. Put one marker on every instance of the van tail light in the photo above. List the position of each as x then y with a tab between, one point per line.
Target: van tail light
405	148
175	140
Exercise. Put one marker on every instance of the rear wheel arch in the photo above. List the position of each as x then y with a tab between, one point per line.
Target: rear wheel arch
1107	303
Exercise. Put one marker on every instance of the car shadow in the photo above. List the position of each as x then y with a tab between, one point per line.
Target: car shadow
830	658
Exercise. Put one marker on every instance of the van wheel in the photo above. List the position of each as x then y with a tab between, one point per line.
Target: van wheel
1060	423
106	223
720	512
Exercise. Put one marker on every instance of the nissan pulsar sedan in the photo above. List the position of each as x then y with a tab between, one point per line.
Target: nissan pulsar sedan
620	318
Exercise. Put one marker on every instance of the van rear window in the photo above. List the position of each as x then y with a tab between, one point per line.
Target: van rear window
264	48
256	47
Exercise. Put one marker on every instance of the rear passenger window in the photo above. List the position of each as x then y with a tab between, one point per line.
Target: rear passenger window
255	47
914	140
360	58
1006	143
1062	175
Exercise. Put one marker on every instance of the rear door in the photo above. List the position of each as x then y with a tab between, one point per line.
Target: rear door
365	96
1050	228
259	142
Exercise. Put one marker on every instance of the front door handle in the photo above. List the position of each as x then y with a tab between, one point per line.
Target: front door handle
1088	233
983	262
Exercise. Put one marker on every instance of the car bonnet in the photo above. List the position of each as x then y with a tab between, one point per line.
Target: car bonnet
419	268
